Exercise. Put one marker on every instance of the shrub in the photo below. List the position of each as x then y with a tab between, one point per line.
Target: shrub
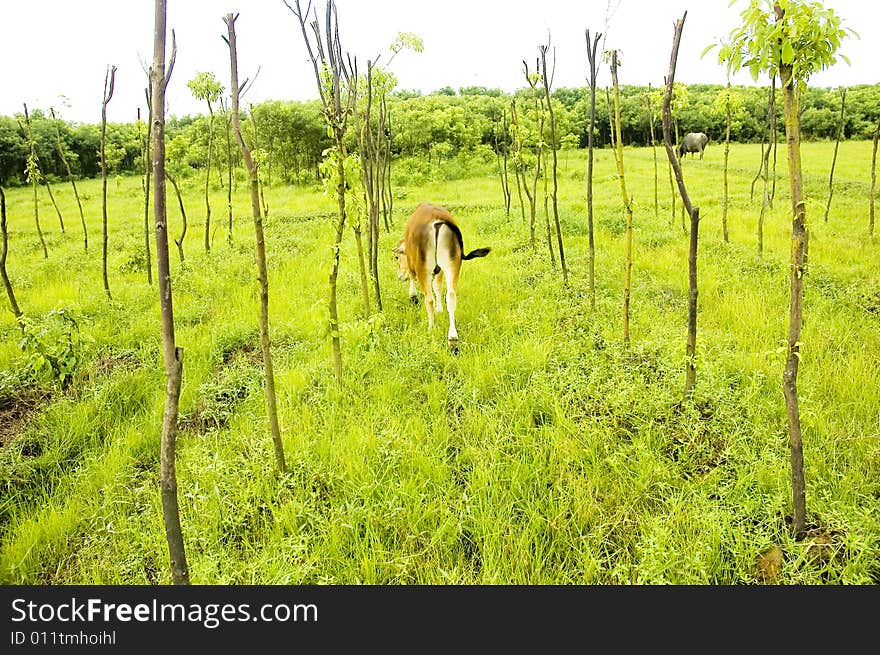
54	347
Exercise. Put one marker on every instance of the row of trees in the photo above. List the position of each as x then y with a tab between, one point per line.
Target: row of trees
436	126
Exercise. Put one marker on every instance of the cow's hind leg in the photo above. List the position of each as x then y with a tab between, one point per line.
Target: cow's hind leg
437	285
425	285
451	304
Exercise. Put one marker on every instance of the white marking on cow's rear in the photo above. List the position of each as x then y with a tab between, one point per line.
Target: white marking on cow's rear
432	241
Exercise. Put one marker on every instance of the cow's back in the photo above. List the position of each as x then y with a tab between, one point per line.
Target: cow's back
419	235
425	214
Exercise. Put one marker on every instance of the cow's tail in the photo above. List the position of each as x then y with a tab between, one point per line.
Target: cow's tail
479	252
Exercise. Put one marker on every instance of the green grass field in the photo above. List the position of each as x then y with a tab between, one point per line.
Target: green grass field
544	452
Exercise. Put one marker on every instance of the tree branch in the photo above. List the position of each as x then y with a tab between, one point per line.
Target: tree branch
667	117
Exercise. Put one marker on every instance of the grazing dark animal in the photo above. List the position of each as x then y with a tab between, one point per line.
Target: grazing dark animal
691	143
431	249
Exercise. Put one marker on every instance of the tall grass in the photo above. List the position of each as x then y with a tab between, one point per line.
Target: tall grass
543	452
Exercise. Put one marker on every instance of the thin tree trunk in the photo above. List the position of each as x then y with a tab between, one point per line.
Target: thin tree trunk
33	172
594	66
836	145
261	248
66	163
533	201
765	198
773	137
108	94
554	194
179	242
799	245
208	177
362	267
4	249
725	201
263	203
677	142
610	109
37	220
627	202
690	377
371	167
501	160
539	155
173	356
547	211
54	203
518	158
39	174
228	182
379	197
764	142
873	179
148	169
387	196
334	67
654	152
334	272
671	193
369	181
693	212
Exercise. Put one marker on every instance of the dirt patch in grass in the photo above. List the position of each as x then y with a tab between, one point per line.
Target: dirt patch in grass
238	373
16	410
769	564
248	352
109	361
869	301
821	546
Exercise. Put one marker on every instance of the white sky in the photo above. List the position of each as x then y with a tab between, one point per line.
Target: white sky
54	48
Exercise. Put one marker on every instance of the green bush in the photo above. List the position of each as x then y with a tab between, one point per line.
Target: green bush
54	346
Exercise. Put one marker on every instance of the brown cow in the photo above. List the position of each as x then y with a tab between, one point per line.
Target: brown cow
431	249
